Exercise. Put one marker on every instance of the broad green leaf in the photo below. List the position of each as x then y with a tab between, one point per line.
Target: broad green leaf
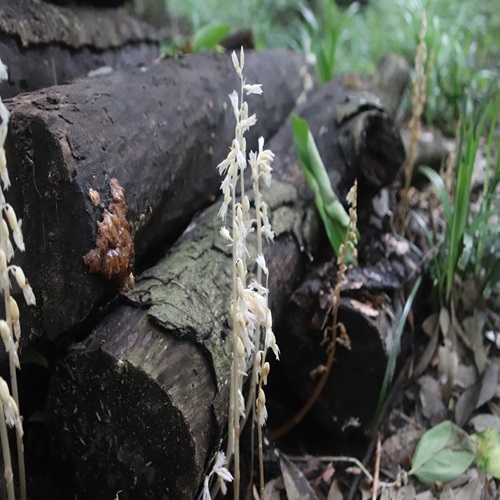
331	211
209	36
488	452
443	453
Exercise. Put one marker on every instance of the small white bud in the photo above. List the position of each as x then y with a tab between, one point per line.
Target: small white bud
18	237
241	268
3	71
4	173
264	372
4	331
262	397
3	261
242	58
261	262
11	216
256	88
4	391
236	63
233	96
19	275
240	348
246	204
225	233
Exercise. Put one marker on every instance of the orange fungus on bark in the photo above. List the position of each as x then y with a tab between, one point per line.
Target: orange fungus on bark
113	255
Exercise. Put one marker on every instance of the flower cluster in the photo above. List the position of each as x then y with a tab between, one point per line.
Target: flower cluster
220	470
10	329
250	312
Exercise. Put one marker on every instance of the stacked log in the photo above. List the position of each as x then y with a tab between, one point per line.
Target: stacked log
44	44
163	356
160	131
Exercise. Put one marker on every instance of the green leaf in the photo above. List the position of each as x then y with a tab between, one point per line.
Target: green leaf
488	452
442	192
209	36
443	453
331	211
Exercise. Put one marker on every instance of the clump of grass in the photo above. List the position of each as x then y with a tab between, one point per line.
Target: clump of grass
250	313
10	329
461	247
322	32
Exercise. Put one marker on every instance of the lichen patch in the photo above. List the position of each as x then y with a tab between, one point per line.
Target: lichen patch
113	255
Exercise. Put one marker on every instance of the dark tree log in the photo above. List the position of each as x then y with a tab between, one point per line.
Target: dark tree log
433	148
182	302
160	132
371	303
43	44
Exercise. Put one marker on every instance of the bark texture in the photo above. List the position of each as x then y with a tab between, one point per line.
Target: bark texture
160	131
179	308
43	44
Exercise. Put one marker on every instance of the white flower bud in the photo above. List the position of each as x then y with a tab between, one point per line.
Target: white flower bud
261	262
241	268
242	58
18	237
256	88
236	63
11	216
4	173
246	205
262	397
233	96
5	331
3	261
240	348
4	391
225	233
3	71
23	283
19	275
264	372
14	314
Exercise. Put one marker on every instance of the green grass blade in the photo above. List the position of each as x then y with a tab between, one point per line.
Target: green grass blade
395	348
438	183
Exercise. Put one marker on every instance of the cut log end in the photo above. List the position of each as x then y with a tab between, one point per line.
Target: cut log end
141	405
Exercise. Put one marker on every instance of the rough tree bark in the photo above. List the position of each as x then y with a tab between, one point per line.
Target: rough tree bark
44	44
171	337
159	131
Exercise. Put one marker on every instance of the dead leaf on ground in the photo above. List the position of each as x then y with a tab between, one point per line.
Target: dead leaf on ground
334	492
398	449
431	400
485	421
270	492
474	330
296	485
477	395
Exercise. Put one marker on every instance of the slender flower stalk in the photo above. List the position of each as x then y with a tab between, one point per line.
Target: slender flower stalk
10	327
249	304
